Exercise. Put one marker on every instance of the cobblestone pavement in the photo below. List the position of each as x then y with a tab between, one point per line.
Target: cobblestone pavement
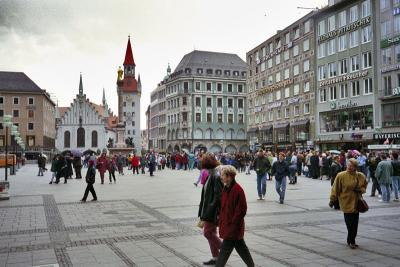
150	221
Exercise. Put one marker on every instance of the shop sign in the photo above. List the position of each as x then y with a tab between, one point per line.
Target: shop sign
356	136
277	51
275	105
275	86
383	147
396	91
384	136
344	78
390	68
348	28
390	41
293	100
343	104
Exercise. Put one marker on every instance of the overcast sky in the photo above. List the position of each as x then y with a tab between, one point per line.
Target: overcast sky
52	41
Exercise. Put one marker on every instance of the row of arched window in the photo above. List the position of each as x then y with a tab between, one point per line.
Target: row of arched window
80	138
209	134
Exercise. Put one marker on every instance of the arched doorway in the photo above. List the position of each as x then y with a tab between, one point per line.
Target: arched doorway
80	140
170	149
176	148
94	138
230	149
67	139
215	149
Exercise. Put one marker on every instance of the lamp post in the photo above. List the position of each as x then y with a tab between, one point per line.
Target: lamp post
7	123
14	133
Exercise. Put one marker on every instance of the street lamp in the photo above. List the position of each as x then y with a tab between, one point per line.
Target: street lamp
15	134
7	123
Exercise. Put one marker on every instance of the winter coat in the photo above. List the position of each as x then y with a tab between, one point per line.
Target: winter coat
396	167
210	202
314	168
261	165
102	164
384	172
280	169
135	161
233	210
345	187
90	175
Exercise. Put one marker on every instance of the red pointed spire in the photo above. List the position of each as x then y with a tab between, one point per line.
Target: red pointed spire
128	55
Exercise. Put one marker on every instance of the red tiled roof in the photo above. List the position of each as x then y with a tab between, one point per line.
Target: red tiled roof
129	55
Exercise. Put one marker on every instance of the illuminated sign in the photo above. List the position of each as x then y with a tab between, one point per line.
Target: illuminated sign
348	28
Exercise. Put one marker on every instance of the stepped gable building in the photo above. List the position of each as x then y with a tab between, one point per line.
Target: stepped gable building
33	112
281	89
84	125
205	102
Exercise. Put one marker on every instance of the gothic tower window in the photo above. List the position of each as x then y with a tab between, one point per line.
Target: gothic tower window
67	139
80	137
94	139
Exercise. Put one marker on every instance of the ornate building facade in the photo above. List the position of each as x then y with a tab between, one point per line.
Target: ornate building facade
129	92
84	125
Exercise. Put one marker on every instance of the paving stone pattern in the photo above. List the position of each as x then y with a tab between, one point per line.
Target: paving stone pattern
143	221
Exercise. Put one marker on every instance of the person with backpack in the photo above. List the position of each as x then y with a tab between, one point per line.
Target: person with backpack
261	165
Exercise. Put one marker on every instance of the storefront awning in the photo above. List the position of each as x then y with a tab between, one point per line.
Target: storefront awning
298	123
280	126
252	130
266	128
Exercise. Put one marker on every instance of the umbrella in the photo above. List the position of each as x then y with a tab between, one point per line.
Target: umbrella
76	153
44	156
185	150
334	151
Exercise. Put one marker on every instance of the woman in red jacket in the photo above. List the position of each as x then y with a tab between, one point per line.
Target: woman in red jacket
135	164
102	166
231	219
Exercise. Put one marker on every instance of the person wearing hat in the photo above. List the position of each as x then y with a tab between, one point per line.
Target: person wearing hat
347	187
90	178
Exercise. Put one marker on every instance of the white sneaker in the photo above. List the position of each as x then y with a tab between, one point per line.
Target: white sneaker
259	198
263	197
380	200
380	196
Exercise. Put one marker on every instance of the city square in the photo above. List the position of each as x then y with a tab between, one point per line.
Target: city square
151	221
175	132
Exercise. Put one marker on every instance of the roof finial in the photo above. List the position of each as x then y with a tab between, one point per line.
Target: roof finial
80	85
104	97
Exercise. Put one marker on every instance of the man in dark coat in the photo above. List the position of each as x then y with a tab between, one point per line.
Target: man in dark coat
231	219
261	165
61	167
90	178
280	169
77	163
41	164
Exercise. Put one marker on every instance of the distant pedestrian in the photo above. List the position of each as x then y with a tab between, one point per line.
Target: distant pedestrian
261	165
41	164
347	188
112	167
53	168
280	170
102	166
396	175
90	179
151	161
135	162
231	219
384	173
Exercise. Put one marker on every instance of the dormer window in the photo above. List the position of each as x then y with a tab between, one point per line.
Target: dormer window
188	70
243	73
235	73
218	72
209	71
227	73
199	71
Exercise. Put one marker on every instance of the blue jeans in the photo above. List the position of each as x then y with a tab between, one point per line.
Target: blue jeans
396	185
280	186
261	184
385	192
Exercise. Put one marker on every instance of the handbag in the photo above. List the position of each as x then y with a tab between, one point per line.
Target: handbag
362	205
200	224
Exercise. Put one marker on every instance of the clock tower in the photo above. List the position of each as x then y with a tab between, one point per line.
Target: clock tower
129	91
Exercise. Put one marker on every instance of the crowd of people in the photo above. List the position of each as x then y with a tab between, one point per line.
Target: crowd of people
223	202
